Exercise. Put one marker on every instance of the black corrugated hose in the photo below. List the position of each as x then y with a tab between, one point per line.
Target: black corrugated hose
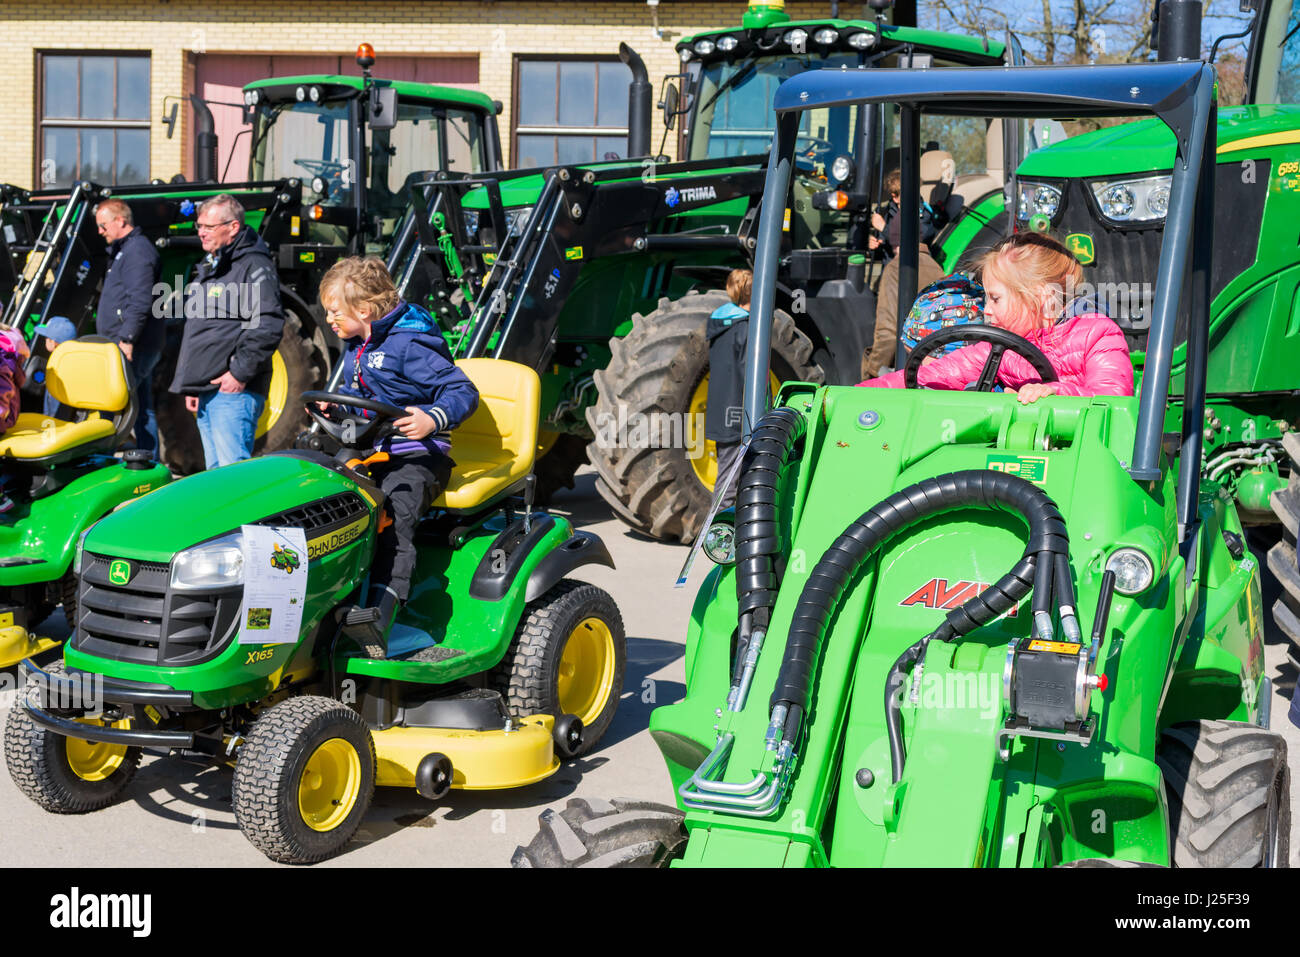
1045	552
758	533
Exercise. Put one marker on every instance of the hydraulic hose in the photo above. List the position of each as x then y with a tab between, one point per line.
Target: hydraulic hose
840	564
758	534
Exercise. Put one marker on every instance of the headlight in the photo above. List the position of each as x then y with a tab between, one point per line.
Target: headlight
862	41
796	37
1134	572
300	94
686	54
315	94
1038	199
215	564
704	47
728	43
1134	200
319	185
517	219
720	543
842	169
826	36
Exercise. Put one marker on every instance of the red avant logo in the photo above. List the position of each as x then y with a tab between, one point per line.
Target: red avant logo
937	593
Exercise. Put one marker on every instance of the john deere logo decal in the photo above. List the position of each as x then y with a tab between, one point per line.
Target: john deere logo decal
1081	245
119	573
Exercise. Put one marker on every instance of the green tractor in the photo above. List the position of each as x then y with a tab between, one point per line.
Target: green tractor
61	477
499	666
602	276
1042	645
1106	193
330	162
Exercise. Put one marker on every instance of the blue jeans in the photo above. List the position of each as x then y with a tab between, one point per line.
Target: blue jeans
146	420
227	423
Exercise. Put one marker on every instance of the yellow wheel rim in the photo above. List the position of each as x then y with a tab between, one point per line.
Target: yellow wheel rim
277	396
95	760
586	678
704	455
330	784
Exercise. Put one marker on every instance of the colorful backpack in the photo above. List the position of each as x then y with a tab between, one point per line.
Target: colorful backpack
952	301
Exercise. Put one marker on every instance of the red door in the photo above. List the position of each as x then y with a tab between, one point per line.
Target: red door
219	79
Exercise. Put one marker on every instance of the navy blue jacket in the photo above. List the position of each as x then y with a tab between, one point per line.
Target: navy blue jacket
405	361
126	312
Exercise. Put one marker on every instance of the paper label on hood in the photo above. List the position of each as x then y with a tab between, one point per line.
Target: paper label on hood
275	585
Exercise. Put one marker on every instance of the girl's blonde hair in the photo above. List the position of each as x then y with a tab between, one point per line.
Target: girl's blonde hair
1027	263
355	281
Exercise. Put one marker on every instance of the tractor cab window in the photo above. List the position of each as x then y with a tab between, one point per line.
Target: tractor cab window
305	140
427	137
735	115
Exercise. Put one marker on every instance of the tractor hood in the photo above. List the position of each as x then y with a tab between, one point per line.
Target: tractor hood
1147	145
212	503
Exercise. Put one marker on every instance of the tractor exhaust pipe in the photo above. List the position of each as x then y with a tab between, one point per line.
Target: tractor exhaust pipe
205	142
1178	30
638	103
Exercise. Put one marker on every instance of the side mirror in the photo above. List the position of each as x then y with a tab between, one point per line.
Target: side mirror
169	120
671	102
383	108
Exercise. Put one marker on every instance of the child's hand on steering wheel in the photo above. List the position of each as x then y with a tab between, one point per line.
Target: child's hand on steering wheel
417	425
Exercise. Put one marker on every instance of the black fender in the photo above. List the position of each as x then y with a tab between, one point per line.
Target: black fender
584	548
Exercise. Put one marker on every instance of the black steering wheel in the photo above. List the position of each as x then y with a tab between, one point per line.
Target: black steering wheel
350	431
1001	340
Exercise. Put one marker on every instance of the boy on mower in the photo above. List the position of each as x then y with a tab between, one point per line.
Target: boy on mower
395	354
1024	279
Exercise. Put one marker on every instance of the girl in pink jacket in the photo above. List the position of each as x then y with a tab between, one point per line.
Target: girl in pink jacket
1025	282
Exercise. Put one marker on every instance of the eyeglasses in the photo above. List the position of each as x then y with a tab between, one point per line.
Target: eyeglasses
208	227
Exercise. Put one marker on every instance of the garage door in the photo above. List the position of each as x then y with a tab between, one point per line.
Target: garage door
220	77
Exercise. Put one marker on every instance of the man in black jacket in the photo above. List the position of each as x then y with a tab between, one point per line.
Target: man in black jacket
233	323
126	314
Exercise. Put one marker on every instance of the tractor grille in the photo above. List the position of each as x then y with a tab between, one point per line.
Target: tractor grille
322	515
1127	259
145	621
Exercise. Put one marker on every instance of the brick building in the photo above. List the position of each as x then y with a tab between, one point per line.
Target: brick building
90	84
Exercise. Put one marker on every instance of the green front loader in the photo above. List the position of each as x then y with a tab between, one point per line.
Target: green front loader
952	629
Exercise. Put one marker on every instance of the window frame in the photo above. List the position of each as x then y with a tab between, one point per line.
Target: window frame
41	123
516	128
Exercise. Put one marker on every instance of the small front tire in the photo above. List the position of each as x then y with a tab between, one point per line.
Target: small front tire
304	779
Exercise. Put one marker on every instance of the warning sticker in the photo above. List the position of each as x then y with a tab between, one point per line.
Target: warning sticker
1060	647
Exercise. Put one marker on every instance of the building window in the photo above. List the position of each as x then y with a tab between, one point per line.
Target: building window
569	111
94	119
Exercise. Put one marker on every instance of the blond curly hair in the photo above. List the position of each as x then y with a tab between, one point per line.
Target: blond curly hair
356	282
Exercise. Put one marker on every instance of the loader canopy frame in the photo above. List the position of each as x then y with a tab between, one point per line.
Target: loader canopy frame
1182	95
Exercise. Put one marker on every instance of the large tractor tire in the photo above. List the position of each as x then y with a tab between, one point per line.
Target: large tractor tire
662	366
299	365
1282	556
557	464
1229	794
590	832
65	775
568	656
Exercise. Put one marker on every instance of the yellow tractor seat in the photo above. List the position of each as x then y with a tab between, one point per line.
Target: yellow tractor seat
87	374
494	447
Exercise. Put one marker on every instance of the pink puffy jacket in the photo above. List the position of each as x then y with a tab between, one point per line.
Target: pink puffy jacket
1088	352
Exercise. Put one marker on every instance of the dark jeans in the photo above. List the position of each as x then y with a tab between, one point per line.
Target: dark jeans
146	422
410	484
728	452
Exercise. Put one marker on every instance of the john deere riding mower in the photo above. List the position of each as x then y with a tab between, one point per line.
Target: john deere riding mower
957	630
60	476
498	666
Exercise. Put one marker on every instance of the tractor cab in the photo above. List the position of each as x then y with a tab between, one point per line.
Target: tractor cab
357	143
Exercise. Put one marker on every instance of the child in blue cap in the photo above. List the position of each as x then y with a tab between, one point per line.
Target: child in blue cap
56	332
